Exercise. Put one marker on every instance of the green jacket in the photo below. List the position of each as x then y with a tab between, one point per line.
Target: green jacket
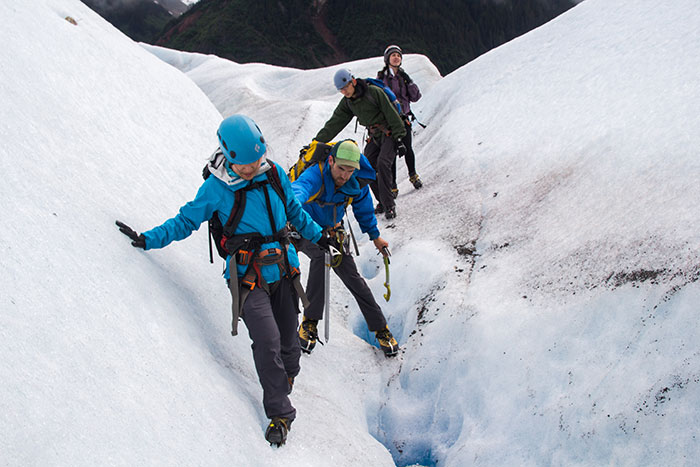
369	113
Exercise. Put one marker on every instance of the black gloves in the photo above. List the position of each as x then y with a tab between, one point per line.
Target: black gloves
405	76
401	149
139	241
323	243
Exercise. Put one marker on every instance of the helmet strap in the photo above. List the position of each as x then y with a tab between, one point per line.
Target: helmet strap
229	170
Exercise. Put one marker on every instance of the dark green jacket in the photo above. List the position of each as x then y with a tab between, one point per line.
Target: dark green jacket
377	110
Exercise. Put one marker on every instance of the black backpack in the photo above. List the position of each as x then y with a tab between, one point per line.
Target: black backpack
220	233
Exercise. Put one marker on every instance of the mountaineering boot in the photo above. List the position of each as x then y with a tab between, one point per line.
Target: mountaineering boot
379	209
415	179
277	430
390	213
387	342
308	334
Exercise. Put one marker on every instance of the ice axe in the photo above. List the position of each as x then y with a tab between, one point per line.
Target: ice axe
386	253
329	259
413	118
352	235
327	295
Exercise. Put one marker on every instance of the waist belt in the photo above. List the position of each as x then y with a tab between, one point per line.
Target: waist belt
379	129
240	289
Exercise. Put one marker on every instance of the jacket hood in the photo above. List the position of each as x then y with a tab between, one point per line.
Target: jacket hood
217	168
362	177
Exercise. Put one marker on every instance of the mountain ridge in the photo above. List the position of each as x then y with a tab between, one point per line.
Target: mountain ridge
312	34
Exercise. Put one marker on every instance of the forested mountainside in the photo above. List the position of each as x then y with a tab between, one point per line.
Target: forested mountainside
311	33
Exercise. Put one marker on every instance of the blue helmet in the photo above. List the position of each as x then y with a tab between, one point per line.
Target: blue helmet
342	77
241	140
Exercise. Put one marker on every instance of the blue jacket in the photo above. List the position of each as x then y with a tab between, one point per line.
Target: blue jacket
217	195
329	207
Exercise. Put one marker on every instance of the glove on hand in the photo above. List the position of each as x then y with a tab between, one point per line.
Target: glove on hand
138	241
405	76
401	149
323	243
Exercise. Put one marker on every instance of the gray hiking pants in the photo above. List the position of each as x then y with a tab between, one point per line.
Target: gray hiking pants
347	272
382	156
272	325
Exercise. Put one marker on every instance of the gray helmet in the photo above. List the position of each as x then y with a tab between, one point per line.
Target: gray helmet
342	77
390	50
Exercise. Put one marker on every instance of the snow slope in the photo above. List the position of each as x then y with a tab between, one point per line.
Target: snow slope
294	104
111	356
544	281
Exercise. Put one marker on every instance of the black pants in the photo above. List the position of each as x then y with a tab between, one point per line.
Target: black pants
347	272
410	157
272	325
382	154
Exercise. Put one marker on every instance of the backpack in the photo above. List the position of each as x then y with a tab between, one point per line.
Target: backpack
309	155
220	233
315	153
387	90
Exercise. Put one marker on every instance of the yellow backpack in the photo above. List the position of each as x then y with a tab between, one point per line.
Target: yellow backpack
310	155
314	153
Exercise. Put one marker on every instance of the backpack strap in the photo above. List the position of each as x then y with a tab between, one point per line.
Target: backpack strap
236	214
367	94
313	197
377	127
234	218
293	274
245	248
273	177
323	204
